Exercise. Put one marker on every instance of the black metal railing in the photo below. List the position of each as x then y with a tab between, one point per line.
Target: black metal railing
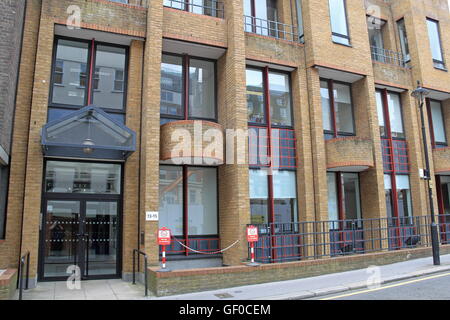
138	3
212	8
272	29
139	252
22	264
280	242
388	56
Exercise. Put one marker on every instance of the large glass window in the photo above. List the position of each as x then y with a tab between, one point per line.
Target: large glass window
435	43
82	177
202	201
343	196
200	83
394	115
403	192
172	86
202	89
255	96
69	73
86	72
436	122
403	39
80	79
171	198
280	99
284	196
337	109
338	18
279	94
108	83
199	216
258	196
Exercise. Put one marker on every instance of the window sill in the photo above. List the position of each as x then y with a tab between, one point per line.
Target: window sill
342	44
441	69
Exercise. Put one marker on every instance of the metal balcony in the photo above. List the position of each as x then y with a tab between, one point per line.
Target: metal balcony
212	8
272	29
389	57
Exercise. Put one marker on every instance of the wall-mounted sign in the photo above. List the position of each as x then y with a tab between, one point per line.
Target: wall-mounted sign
151	216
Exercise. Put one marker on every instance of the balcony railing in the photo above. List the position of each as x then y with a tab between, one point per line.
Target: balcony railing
270	28
138	3
213	8
389	56
280	242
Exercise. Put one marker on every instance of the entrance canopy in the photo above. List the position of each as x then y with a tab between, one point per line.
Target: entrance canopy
88	133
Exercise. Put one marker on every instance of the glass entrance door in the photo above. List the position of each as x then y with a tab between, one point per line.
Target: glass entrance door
82	233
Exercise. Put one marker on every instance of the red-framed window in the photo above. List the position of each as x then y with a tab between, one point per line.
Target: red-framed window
189	208
188	88
83	73
395	156
272	147
337	109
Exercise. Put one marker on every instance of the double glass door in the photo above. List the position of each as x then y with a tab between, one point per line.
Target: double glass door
80	236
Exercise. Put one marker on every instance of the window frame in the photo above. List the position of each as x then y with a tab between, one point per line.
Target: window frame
271	198
387	118
91	61
438	28
434	143
335	132
266	94
335	34
185	88
405	42
185	201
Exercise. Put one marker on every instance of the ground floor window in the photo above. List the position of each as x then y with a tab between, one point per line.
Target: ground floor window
398	202
273	198
343	196
188	206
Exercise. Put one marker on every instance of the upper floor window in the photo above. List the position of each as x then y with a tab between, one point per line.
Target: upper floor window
403	39
435	43
267	88
261	18
337	109
390	114
339	27
84	72
188	88
436	120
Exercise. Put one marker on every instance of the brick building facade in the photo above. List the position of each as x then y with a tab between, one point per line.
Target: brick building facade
108	89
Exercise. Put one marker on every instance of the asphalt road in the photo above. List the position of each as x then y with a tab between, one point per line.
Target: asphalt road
432	287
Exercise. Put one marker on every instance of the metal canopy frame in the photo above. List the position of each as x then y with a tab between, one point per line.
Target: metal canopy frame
77	147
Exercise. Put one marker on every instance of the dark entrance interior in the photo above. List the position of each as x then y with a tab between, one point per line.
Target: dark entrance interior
81	221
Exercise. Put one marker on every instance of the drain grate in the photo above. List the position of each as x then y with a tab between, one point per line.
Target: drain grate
223	295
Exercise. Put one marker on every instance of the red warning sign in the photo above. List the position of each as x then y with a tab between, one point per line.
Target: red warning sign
252	234
164	236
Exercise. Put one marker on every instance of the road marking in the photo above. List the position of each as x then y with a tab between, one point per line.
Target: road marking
387	287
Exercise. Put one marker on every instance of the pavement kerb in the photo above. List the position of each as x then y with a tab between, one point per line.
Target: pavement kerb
306	294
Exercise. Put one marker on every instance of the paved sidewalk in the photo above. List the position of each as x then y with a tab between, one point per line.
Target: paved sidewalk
114	289
320	285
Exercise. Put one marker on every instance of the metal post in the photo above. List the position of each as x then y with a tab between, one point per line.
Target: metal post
419	94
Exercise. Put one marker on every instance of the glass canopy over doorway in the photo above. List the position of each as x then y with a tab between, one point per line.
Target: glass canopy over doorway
88	133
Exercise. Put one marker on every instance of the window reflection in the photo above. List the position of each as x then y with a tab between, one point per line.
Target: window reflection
69	73
109	77
82	177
